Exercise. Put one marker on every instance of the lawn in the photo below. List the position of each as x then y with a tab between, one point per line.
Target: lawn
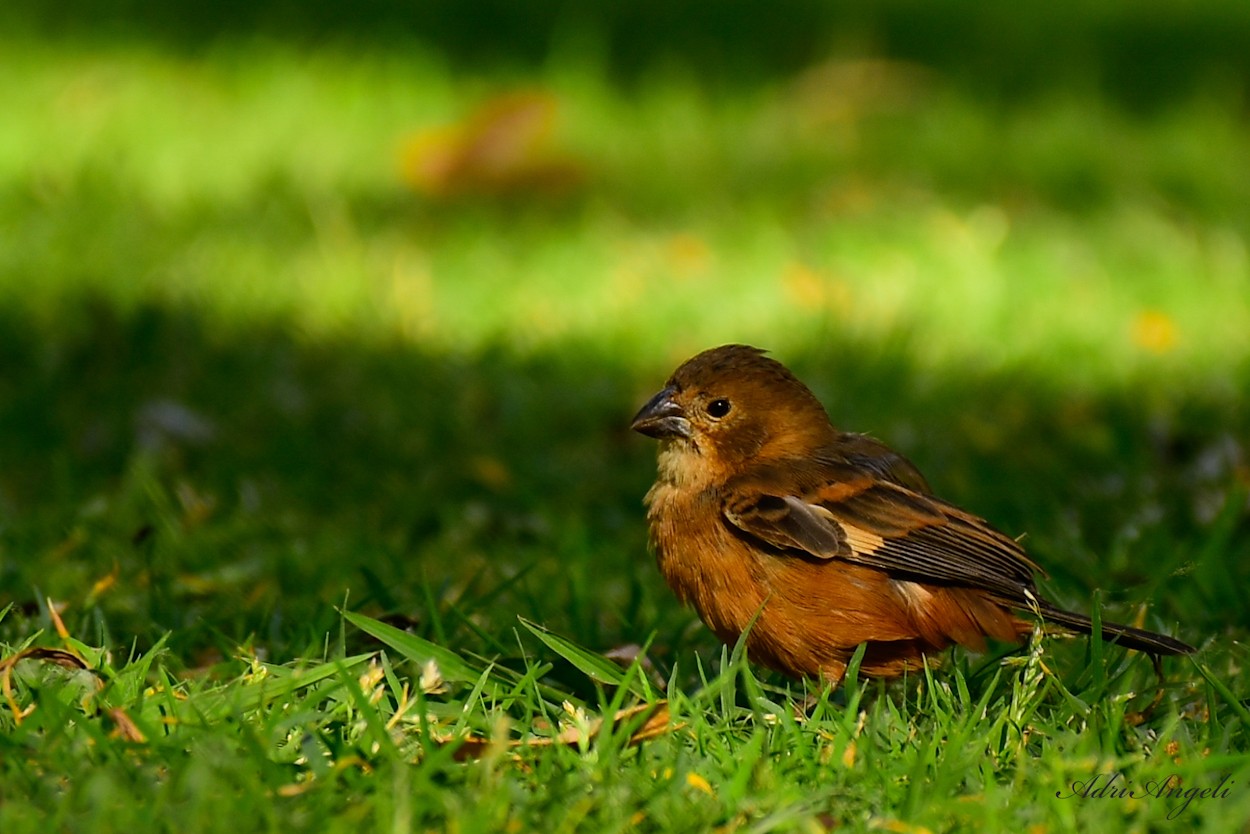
319	510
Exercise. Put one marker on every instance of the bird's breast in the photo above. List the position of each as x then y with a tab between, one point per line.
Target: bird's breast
702	561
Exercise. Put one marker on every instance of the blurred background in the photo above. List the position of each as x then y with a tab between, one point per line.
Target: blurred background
313	303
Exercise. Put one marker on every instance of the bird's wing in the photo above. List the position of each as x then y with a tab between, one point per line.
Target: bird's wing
868	452
858	517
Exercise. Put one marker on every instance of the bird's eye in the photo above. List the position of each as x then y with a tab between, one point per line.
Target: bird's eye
718	408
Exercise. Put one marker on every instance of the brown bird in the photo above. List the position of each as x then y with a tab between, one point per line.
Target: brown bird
763	511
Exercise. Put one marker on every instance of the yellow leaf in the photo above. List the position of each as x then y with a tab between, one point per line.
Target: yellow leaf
102	585
697	782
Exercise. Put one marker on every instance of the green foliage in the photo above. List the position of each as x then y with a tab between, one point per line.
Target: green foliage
329	484
368	741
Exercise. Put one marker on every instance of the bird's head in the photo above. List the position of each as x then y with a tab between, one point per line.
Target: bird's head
733	405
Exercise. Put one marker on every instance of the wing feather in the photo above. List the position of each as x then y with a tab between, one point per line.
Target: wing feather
884	525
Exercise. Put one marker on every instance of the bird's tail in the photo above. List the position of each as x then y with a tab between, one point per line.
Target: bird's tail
1126	636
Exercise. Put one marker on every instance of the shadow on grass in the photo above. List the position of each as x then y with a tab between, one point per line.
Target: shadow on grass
1142	58
165	473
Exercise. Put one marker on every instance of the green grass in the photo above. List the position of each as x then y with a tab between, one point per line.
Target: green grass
258	400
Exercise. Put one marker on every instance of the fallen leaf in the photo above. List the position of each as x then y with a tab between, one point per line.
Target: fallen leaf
57	657
697	782
504	146
657	722
126	727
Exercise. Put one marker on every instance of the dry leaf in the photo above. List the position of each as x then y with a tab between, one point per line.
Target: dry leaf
126	727
657	722
102	585
505	146
57	657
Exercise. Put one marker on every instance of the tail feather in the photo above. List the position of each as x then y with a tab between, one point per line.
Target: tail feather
1127	636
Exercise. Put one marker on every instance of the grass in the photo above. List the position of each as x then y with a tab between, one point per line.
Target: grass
276	431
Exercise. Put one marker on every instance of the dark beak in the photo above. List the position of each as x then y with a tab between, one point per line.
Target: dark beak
662	417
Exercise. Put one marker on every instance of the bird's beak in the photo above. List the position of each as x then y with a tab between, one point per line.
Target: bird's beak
662	417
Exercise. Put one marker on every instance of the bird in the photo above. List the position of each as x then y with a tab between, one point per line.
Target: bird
769	521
